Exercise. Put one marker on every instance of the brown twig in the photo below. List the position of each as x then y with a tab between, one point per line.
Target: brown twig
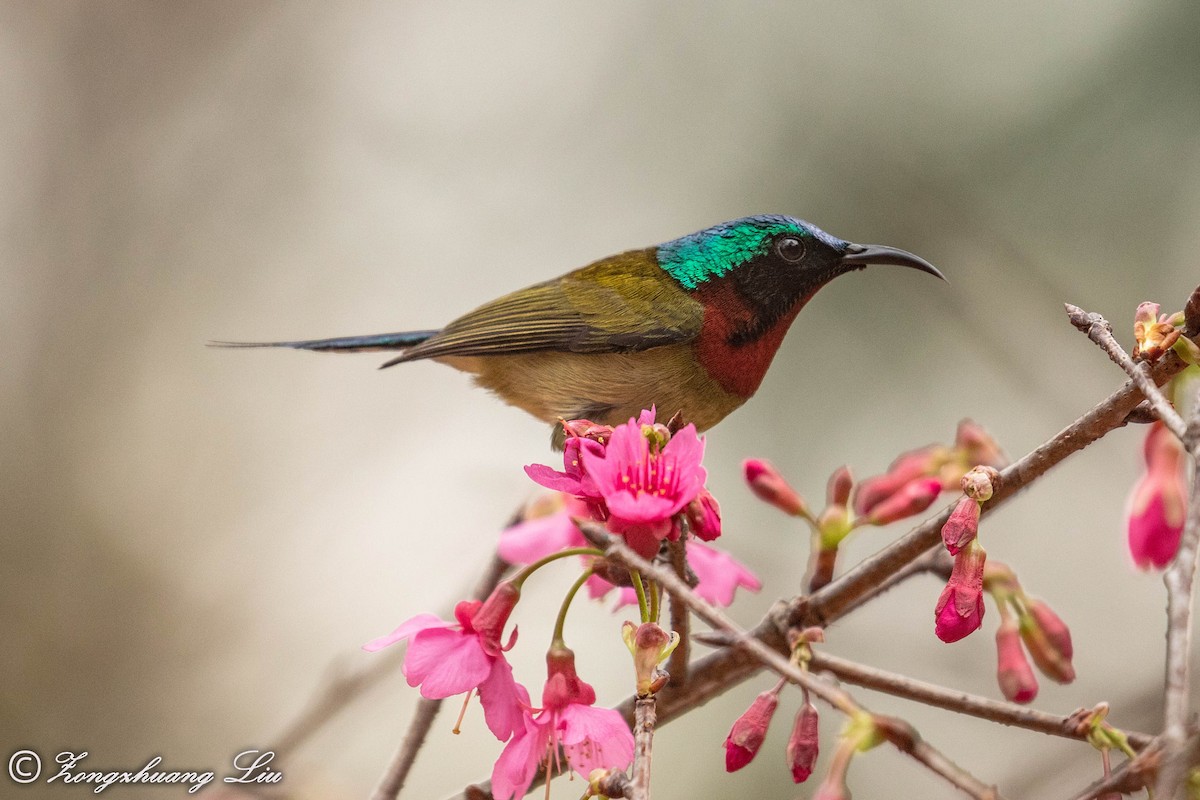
645	720
830	693
681	620
1099	330
960	702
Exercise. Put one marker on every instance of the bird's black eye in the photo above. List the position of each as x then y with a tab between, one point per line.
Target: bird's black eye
790	249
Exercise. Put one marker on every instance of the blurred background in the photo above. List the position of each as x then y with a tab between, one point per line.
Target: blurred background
191	537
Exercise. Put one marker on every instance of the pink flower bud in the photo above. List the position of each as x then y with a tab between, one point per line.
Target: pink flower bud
959	610
704	516
1052	660
1158	504
1013	672
770	487
976	445
837	491
912	498
1057	632
962	527
905	469
748	731
802	746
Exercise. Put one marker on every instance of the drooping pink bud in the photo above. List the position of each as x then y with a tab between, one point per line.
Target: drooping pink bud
1057	632
748	731
1158	504
1052	660
959	610
802	746
962	527
1013	672
704	516
912	498
770	487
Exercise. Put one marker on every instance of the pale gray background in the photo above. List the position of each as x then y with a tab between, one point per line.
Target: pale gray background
191	535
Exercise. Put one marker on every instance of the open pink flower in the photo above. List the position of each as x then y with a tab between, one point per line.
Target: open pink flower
445	658
591	738
1158	503
644	487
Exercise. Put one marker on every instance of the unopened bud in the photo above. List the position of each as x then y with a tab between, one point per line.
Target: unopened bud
802	746
770	487
962	527
837	491
1048	653
650	645
980	483
704	516
976	446
922	463
1013	672
748	731
912	498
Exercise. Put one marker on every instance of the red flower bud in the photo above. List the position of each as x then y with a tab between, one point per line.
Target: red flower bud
1048	653
802	746
905	469
770	487
959	610
1013	672
912	498
748	731
1158	504
704	516
962	527
1057	632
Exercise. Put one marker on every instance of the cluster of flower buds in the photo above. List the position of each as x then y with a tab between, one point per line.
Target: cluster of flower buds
973	446
959	609
912	483
1035	625
749	730
1158	503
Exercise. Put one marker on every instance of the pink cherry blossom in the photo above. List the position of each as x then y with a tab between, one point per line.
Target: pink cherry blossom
591	738
1158	503
719	575
959	610
445	658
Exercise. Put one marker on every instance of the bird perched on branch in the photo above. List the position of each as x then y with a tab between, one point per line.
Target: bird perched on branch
690	325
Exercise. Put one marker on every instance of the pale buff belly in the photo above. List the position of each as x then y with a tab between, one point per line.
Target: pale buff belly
604	387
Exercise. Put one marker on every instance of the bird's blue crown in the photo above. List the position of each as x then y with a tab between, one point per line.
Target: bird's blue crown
699	257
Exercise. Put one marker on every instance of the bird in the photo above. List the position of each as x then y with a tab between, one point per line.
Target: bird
689	326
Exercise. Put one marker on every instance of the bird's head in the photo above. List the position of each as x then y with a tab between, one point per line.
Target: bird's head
772	260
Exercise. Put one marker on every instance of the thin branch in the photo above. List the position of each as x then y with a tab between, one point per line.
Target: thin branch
645	720
681	620
397	772
1130	777
830	693
960	702
1099	330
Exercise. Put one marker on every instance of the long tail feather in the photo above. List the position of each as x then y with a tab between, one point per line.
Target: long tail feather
345	344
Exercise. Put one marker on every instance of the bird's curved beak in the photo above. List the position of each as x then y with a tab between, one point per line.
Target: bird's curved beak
860	255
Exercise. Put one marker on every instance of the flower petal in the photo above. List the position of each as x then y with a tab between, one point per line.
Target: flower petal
533	539
595	738
501	698
719	573
445	662
516	766
407	628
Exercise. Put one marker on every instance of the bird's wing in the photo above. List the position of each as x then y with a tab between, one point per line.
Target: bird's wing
620	304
